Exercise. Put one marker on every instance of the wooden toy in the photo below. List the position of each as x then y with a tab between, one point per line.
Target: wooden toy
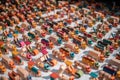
33	69
54	76
8	62
72	70
23	73
2	68
32	51
90	61
110	69
40	64
66	52
96	55
27	56
104	75
17	59
13	75
58	55
72	47
85	68
55	40
115	62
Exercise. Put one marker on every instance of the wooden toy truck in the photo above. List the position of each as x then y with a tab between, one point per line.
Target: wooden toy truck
115	62
8	62
72	47
2	68
96	55
66	52
85	68
90	61
105	76
59	55
13	75
24	74
33	69
70	69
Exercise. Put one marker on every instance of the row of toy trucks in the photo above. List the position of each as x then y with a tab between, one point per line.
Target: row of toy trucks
111	71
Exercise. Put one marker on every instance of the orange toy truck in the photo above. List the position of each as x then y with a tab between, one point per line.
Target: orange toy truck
8	62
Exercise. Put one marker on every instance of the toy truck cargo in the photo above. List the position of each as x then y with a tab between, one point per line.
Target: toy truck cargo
23	73
96	55
8	62
115	62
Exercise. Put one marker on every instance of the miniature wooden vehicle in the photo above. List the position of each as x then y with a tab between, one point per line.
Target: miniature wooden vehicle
8	62
27	56
72	70
2	68
19	43
17	59
32	51
77	40
55	40
40	64
72	47
96	55
13	75
33	69
58	55
85	67
105	75
54	76
23	73
63	35
110	69
90	61
66	52
115	62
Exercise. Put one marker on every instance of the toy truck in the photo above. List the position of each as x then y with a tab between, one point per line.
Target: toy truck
96	55
115	62
13	75
24	74
17	59
85	68
70	69
63	35
46	66
59	55
2	68
56	40
33	69
90	61
105	76
32	51
72	47
110	69
8	62
67	53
